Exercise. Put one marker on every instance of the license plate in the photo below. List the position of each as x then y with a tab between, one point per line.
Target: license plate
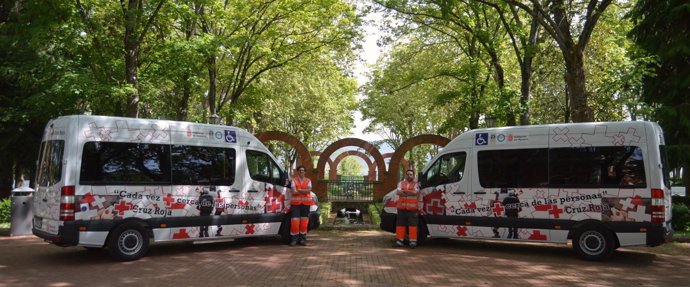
38	223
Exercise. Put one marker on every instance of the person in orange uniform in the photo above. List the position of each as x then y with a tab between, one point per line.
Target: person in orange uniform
300	203
408	204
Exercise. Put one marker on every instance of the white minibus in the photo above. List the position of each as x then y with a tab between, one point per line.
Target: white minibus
601	185
123	182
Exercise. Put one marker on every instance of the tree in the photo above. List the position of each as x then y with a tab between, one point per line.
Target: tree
662	29
572	30
254	37
312	99
137	19
349	166
37	81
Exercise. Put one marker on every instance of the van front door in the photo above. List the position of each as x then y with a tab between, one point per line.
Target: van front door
445	195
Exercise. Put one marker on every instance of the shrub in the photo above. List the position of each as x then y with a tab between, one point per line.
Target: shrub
374	214
325	208
5	210
681	217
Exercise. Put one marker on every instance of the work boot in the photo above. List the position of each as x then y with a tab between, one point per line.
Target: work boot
302	242
399	243
413	244
293	242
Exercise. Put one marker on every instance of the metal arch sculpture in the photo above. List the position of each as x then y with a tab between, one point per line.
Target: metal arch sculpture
332	169
370	165
320	186
302	151
404	162
391	180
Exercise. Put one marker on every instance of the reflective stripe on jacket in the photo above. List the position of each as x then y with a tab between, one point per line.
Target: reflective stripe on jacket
304	199
407	202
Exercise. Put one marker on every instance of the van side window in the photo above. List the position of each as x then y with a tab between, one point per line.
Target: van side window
50	162
616	166
263	168
125	163
201	165
513	168
448	168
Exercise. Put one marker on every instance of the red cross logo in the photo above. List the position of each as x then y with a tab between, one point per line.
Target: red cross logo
182	234
462	231
88	198
434	203
542	207
555	211
122	207
498	210
471	206
536	235
249	229
168	200
637	200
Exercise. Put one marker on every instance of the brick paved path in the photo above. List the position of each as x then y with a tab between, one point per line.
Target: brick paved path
335	258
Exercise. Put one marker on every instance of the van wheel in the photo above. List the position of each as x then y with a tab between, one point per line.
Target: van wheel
285	230
422	232
129	241
593	243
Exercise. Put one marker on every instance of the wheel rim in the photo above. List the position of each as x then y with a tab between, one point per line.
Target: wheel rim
592	242
130	242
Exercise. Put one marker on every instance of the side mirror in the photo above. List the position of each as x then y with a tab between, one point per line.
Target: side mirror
422	180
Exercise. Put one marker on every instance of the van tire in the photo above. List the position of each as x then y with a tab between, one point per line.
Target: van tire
422	232
593	242
285	230
128	242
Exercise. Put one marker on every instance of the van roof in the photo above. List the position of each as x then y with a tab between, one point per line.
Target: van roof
241	133
467	138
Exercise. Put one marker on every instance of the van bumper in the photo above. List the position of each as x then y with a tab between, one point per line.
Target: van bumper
68	235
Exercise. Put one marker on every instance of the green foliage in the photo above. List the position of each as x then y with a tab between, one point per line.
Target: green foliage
663	31
374	210
325	208
5	210
681	217
349	166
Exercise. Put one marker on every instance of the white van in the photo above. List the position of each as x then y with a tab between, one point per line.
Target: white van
603	185
119	182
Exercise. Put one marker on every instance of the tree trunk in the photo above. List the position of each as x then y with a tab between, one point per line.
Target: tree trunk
212	75
132	58
525	87
577	93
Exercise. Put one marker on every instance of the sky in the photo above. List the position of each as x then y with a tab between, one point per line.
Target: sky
370	53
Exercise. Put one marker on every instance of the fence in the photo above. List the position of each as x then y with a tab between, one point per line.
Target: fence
350	190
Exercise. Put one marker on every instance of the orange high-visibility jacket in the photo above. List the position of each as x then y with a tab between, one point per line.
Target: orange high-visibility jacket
407	202
304	199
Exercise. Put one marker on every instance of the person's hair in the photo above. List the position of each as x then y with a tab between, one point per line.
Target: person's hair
301	167
408	170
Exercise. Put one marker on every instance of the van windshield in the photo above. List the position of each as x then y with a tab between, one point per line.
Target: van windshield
50	162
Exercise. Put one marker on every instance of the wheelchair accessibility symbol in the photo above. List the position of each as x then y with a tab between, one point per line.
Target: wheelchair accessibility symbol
481	139
230	137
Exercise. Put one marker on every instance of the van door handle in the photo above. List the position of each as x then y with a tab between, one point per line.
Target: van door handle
252	190
234	190
459	192
480	192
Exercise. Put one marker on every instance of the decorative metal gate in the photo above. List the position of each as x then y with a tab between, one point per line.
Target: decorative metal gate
350	190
